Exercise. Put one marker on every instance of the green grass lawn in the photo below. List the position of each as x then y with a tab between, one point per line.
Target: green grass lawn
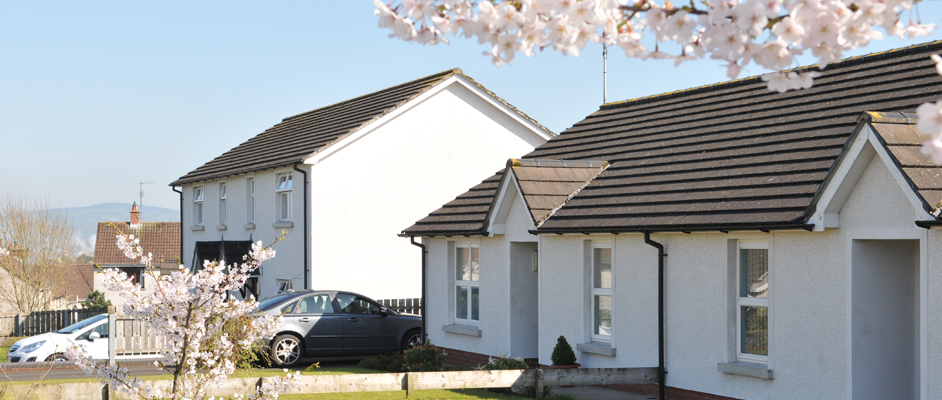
242	373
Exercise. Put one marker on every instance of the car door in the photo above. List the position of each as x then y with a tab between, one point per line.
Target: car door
366	329
98	348
315	318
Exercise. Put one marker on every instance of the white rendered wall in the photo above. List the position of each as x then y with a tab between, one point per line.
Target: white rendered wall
496	289
149	285
809	328
362	196
368	192
288	262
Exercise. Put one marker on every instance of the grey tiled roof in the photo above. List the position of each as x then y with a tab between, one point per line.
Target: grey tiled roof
547	184
727	156
897	132
301	136
162	239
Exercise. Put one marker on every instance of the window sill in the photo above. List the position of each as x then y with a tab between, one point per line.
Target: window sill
249	226
283	224
461	329
197	228
221	227
754	370
600	348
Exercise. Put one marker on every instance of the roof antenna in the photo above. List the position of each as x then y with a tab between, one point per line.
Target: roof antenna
141	199
604	74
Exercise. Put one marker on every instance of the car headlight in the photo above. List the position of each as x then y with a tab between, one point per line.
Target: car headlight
32	347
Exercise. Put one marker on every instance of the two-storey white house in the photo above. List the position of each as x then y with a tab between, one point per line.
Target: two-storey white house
749	244
341	181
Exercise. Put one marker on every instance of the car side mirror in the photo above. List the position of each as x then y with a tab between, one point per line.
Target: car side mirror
92	336
384	311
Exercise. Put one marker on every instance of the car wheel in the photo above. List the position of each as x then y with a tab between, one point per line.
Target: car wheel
285	351
411	339
57	357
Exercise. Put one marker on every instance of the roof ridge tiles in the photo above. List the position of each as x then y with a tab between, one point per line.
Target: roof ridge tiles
435	77
553	162
847	62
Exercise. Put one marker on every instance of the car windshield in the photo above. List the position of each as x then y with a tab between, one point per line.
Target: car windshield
271	301
82	324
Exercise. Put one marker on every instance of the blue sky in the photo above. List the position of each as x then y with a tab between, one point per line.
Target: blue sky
98	96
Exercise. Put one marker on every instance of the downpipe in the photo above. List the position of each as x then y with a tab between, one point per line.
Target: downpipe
306	242
424	252
661	373
181	222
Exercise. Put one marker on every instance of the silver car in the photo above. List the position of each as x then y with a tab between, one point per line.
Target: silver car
332	323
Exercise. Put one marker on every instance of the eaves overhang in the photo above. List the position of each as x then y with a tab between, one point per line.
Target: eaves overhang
678	229
242	171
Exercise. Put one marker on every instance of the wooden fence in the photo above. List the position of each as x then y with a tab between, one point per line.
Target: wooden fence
44	321
408	306
130	337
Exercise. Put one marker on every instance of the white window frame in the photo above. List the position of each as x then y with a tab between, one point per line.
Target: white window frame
468	284
222	203
284	285
752	301
198	205
595	292
250	200
283	209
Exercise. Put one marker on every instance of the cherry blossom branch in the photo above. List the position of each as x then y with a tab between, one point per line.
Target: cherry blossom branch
767	33
191	310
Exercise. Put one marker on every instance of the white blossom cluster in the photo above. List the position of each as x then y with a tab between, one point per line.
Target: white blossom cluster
769	33
930	122
189	310
4	252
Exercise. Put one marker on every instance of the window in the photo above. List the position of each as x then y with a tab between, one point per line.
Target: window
198	206
351	304
467	283
222	203
601	299
283	197
315	304
285	285
250	200
752	301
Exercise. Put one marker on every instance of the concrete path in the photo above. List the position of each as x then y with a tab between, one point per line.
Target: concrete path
599	393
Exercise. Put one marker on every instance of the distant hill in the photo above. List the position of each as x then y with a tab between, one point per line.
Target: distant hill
87	218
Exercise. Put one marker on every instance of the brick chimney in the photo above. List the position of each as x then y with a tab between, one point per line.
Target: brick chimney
135	215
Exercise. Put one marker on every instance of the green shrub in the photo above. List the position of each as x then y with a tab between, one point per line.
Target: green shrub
96	299
503	362
530	391
384	362
562	353
423	358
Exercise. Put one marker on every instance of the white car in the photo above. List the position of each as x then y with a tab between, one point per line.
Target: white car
91	333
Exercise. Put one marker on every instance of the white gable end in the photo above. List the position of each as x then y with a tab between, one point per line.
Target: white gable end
858	160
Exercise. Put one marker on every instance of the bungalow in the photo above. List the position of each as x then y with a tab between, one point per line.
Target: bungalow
754	245
362	168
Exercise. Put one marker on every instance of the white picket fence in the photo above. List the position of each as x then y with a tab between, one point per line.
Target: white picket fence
130	337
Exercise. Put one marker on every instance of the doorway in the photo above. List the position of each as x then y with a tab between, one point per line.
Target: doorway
885	319
524	300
